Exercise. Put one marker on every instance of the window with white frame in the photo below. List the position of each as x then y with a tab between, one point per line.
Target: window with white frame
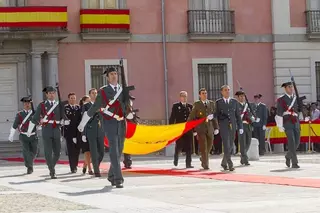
97	78
314	4
4	3
207	4
102	4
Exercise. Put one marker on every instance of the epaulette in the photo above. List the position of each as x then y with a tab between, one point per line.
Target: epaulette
103	86
66	105
198	101
20	111
218	99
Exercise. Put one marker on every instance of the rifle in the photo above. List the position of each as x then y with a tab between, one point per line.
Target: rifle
60	102
247	101
299	99
32	107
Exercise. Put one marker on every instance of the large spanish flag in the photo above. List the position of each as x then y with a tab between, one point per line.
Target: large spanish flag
143	139
33	17
105	18
309	131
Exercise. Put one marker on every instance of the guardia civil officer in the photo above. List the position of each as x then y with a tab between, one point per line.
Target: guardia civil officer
29	144
288	121
48	116
110	101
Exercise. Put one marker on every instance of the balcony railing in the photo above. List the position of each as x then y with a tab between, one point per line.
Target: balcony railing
211	22
31	19
313	21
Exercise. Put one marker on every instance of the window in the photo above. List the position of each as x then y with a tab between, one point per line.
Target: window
207	4
102	4
318	79
4	3
212	77
97	80
314	4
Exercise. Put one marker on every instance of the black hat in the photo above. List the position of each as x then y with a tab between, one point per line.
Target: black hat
286	84
257	96
109	69
49	89
238	93
26	99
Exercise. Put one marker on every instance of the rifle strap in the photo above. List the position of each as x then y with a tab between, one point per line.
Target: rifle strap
292	102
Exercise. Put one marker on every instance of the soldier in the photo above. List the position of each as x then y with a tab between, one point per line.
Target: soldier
48	114
29	144
179	114
204	108
259	128
113	107
247	119
287	121
94	134
71	133
228	114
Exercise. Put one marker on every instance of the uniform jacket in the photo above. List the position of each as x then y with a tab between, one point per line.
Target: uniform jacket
94	125
261	111
283	104
228	114
20	116
200	111
179	113
74	115
247	116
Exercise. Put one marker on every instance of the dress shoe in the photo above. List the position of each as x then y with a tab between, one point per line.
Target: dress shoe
119	185
127	166
247	164
189	166
29	170
288	162
295	166
84	170
91	173
175	161
53	176
241	162
111	181
74	171
224	167
97	174
231	169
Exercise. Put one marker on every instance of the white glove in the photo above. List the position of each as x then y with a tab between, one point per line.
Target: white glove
84	138
264	127
281	129
84	121
12	131
195	134
130	116
30	128
307	119
210	117
216	131
65	122
39	128
257	120
74	140
240	131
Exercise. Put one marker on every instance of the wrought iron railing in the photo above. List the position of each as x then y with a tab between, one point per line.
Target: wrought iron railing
313	21
211	22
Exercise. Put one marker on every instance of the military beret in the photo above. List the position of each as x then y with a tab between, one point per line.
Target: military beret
239	93
49	89
257	96
109	69
286	84
26	99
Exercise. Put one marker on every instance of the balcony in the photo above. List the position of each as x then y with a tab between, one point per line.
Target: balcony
211	25
105	24
33	23
313	24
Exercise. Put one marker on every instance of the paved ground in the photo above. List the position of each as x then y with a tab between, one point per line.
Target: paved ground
77	193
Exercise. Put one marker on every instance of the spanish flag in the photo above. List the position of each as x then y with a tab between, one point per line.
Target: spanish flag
143	139
105	18
33	17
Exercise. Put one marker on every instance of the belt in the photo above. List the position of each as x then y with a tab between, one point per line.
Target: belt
245	122
290	113
112	115
51	122
25	133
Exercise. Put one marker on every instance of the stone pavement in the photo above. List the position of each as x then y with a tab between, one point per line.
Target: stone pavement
77	193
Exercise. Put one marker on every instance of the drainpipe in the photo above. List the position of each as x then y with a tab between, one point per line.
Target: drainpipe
164	40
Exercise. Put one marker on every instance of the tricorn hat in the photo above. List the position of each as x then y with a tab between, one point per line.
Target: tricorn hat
109	69
257	96
289	83
239	93
26	99
49	89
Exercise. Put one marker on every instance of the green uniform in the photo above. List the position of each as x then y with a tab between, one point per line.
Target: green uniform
29	144
50	132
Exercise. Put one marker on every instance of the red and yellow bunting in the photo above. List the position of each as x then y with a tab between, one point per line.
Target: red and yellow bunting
309	131
33	17
105	18
143	139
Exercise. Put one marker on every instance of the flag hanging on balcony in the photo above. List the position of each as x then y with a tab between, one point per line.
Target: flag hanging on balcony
105	18
22	17
143	139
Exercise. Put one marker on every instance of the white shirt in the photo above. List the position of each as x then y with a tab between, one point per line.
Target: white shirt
184	104
205	102
226	100
26	111
51	102
290	96
115	86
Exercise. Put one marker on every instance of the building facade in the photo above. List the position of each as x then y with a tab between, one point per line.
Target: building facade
167	46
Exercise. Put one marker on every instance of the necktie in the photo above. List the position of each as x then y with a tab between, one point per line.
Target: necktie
51	103
226	101
115	89
205	104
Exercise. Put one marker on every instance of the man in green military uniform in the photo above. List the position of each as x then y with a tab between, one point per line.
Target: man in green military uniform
29	144
114	109
48	114
94	134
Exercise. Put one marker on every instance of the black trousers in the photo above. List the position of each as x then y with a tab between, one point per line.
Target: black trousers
185	142
73	152
127	160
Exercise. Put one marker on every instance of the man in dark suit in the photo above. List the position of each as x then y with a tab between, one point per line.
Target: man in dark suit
179	114
229	119
71	133
259	128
